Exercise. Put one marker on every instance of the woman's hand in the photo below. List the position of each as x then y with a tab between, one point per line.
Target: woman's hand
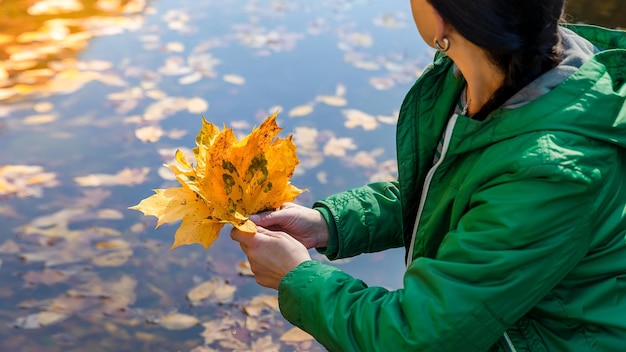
272	254
304	224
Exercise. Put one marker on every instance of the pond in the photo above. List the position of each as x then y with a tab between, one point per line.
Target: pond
97	95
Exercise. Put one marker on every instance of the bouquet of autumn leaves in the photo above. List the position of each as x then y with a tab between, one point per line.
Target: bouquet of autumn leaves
231	180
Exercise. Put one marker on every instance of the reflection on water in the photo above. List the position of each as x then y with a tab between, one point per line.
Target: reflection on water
93	104
96	95
39	41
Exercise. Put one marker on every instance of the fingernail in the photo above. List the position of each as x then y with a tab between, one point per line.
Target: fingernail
255	218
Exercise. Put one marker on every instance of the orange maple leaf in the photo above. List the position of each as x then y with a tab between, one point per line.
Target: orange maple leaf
232	180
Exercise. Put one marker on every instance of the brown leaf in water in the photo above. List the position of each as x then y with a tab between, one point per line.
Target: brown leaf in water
197	105
178	321
25	180
301	110
38	320
296	335
126	177
46	277
243	268
214	291
259	304
149	134
9	247
332	100
355	118
234	79
116	258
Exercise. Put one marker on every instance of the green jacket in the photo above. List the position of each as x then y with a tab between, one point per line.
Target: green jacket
514	242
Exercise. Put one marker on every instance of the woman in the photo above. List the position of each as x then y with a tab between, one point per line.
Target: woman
510	199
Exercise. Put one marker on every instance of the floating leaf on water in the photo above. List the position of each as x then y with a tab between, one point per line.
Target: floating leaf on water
155	94
38	119
176	133
178	321
190	78
258	304
166	173
38	320
43	107
306	137
124	288
100	231
322	177
218	330
175	66
128	176
149	134
46	277
390	20
138	227
147	337
332	100
364	159
61	217
234	79
240	125
366	65
214	291
390	120
25	180
10	247
301	110
265	344
197	105
109	214
339	146
243	268
340	90
113	244
175	47
356	118
113	259
295	335
6	93
94	65
111	80
382	83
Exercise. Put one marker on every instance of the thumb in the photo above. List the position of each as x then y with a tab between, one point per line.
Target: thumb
265	219
240	236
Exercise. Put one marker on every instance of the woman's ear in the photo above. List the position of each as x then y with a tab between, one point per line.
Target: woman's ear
442	30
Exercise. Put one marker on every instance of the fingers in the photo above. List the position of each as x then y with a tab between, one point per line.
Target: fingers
241	237
271	217
263	218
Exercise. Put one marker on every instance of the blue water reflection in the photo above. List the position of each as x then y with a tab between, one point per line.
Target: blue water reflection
289	54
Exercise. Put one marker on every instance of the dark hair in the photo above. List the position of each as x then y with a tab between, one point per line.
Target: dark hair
521	37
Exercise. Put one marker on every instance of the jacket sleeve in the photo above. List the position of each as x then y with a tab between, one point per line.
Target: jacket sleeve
362	220
515	243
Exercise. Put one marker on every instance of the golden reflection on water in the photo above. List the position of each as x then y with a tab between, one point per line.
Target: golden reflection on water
39	42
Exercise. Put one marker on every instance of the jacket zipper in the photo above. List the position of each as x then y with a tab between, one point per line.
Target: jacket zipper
425	189
509	343
427	181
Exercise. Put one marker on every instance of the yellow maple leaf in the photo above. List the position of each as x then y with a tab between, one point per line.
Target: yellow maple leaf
231	180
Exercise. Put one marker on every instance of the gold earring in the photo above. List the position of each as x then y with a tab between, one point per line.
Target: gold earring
445	48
